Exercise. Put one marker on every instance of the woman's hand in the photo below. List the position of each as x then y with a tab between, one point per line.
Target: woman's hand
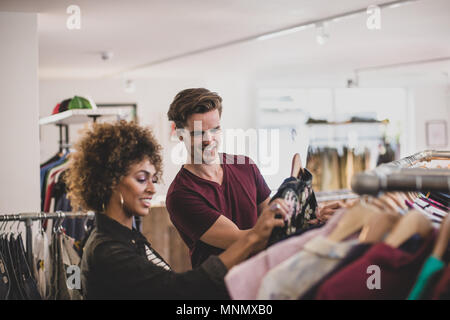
262	230
255	239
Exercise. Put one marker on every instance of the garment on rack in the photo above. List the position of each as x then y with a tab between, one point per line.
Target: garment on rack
441	197
4	279
62	256
42	261
398	269
16	272
333	169
44	174
442	289
295	276
300	198
243	280
355	253
427	278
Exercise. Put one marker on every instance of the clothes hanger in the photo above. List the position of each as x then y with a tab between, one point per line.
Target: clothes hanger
296	169
353	220
398	200
410	224
443	238
378	225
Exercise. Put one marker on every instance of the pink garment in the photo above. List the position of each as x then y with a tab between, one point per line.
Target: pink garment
243	280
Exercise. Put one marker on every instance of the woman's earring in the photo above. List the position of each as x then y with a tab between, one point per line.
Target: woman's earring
103	207
121	200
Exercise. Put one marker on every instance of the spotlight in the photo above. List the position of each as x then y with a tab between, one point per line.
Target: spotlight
106	55
130	86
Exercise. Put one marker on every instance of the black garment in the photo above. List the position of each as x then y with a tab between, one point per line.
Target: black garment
4	279
56	157
115	266
303	201
441	197
15	272
27	281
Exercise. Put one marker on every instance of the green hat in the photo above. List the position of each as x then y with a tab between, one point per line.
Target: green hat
79	103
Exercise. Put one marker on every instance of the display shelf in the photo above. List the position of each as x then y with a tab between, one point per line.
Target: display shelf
77	116
382	122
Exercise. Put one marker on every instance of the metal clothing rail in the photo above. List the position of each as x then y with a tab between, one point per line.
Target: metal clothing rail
399	176
342	194
29	217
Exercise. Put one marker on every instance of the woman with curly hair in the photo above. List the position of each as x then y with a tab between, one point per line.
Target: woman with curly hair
113	172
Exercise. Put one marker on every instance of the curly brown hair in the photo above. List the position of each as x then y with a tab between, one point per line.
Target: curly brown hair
190	101
103	156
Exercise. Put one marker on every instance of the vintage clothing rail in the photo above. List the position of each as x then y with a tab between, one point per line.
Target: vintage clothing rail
399	176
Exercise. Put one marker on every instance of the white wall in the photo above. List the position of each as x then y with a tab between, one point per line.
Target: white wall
19	113
430	103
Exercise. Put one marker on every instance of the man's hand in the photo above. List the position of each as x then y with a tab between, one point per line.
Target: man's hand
326	211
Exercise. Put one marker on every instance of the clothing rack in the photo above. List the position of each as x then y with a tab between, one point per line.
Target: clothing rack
29	217
343	194
399	176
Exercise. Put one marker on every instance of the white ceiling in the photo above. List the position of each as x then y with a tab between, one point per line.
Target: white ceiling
140	32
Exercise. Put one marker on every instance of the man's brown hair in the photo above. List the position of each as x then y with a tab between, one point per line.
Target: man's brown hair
190	101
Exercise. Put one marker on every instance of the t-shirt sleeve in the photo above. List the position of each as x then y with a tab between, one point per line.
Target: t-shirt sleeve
262	189
190	213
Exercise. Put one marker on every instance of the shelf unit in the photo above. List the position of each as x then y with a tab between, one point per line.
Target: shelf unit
78	116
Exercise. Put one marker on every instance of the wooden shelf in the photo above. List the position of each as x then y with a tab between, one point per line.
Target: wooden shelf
75	116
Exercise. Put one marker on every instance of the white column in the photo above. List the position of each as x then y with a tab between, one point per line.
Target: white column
19	113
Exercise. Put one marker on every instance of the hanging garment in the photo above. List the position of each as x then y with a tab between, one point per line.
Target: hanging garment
44	174
427	278
70	258
243	280
355	253
42	261
27	281
300	198
4	279
295	276
442	289
13	293
398	269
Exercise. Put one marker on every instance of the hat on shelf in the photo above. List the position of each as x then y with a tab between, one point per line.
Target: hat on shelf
76	102
56	109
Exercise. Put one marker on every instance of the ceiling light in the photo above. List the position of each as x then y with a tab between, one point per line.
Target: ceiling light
130	86
106	55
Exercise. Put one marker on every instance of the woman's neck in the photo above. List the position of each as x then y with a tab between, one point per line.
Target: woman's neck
120	216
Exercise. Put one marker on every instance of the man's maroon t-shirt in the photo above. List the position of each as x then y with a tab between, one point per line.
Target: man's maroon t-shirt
194	203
